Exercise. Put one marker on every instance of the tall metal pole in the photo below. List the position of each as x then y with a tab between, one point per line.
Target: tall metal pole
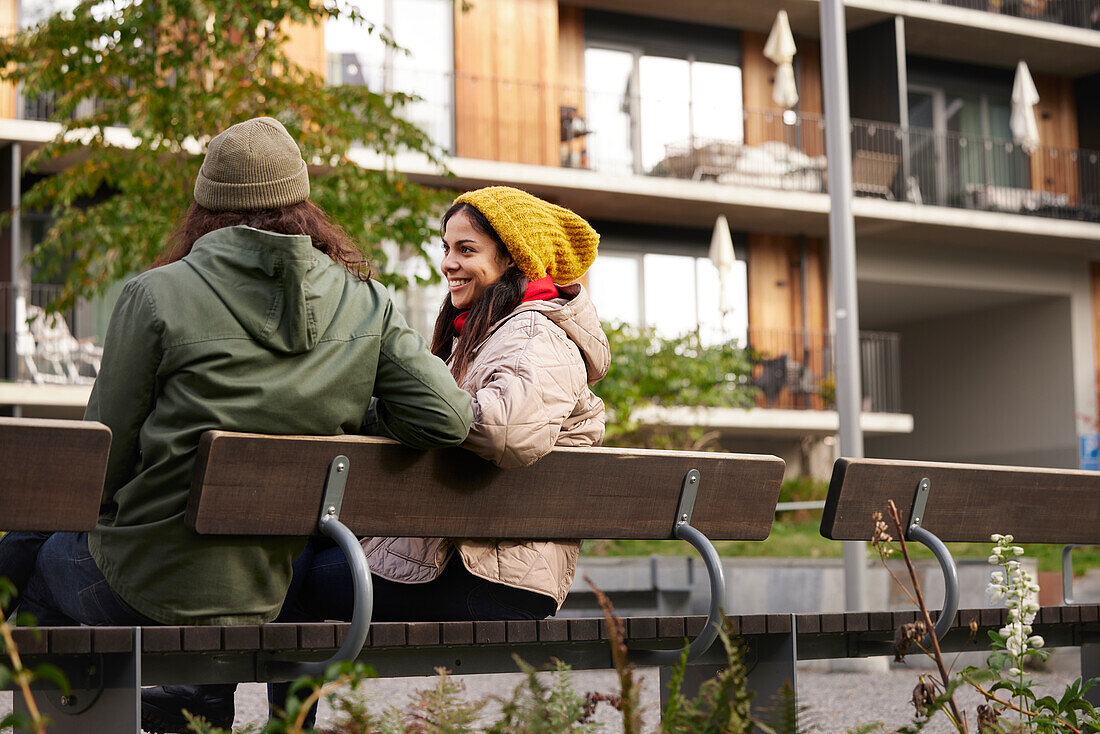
842	254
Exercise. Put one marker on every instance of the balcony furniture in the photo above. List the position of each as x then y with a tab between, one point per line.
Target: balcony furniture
776	165
873	173
1013	200
49	352
699	160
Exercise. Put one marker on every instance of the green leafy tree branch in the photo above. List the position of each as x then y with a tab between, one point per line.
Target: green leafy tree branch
650	370
157	81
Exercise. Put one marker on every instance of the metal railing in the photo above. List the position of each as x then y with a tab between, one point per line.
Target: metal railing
974	172
796	369
511	120
1080	13
40	348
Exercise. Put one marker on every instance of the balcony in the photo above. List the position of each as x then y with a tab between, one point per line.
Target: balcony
796	376
974	172
1076	13
39	348
797	369
550	139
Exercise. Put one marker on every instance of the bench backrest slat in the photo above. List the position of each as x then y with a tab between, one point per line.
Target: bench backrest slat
967	502
51	473
272	485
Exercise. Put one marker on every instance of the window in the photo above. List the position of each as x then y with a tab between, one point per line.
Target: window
961	141
424	28
657	89
672	292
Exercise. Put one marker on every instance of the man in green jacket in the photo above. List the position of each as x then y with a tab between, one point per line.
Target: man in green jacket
260	319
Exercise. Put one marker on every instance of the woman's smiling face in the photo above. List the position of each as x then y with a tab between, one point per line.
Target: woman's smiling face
471	262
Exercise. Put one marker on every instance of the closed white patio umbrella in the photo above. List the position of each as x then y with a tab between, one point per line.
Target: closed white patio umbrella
723	258
1024	123
780	49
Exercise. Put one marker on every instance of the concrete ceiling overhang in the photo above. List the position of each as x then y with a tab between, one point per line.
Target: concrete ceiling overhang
931	29
679	202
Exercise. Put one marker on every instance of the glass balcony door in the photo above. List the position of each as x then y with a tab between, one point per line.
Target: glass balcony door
642	108
961	146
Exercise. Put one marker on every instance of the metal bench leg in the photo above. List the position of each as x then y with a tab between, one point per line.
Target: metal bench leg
105	695
1090	668
769	664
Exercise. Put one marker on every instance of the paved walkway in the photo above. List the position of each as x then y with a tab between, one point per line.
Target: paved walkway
837	701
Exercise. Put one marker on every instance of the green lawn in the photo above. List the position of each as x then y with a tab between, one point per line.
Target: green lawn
802	539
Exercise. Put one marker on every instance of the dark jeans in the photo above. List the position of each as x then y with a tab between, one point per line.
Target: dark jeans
18	553
67	588
321	589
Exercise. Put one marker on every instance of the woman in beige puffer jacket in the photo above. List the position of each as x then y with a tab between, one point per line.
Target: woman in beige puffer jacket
527	351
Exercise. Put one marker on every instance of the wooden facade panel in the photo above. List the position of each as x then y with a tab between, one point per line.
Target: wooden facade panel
305	45
769	281
1057	116
779	295
1095	277
810	96
756	87
506	59
757	80
9	21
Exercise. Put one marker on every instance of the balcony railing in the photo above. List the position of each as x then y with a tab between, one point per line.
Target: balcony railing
974	172
535	123
39	348
1080	13
797	369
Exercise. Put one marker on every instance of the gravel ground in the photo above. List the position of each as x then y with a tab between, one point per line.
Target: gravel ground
837	700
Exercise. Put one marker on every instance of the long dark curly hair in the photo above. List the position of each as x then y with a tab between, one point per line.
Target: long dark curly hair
497	301
303	218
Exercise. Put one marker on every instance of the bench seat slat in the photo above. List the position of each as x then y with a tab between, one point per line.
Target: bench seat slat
112	639
495	632
967	502
53	473
457	633
522	630
272	485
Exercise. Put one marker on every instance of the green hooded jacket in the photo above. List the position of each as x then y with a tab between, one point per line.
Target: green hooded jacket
258	332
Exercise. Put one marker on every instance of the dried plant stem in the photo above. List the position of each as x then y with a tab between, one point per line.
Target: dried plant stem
21	675
300	720
937	655
897	581
989	695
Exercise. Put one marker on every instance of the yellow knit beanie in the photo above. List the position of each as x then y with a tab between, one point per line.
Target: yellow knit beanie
543	238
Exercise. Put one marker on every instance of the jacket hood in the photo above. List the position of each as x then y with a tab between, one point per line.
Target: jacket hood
282	290
574	312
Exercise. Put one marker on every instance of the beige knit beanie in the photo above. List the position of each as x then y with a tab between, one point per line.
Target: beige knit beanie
542	238
252	165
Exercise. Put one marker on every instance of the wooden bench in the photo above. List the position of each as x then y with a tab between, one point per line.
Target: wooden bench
941	502
359	486
51	473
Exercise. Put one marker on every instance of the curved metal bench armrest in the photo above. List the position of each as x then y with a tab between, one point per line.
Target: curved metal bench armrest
362	594
362	591
1067	572
701	543
950	577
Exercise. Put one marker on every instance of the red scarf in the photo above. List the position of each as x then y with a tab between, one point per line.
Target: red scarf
542	289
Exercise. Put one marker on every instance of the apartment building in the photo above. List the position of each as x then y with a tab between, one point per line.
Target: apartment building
978	259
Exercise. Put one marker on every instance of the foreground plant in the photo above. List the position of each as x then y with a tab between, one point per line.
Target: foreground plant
722	704
16	672
139	87
1011	704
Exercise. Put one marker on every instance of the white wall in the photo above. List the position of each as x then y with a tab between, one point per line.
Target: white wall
987	268
993	386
